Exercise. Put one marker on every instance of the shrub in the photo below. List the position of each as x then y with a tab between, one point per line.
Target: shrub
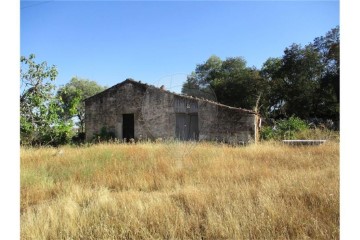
78	138
289	127
267	133
284	129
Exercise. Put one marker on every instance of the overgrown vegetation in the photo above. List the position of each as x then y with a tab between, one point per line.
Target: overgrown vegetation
73	95
296	128
304	82
180	191
40	123
284	129
46	116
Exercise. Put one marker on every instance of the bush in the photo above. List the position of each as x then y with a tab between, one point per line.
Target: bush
284	129
60	134
267	133
78	138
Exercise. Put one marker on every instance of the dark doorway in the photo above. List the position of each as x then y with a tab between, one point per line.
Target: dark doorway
187	127
128	126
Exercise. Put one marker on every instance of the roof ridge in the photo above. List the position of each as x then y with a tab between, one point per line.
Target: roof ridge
130	80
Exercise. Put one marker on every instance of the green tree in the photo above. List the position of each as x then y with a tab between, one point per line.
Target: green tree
232	81
208	71
294	81
238	85
39	107
305	81
73	94
301	72
198	82
274	96
328	97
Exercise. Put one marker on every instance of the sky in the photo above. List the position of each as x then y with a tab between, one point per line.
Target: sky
161	42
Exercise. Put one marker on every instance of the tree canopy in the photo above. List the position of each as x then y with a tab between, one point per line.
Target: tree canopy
231	80
73	94
39	107
304	82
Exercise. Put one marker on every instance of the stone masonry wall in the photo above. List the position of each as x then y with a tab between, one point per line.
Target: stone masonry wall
106	109
155	114
226	124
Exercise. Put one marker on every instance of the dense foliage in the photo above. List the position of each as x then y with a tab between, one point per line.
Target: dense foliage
284	129
73	94
46	115
232	82
40	123
304	82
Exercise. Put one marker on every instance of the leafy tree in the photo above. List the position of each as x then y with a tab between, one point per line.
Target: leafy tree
73	94
198	83
294	81
233	82
208	71
238	85
39	108
301	73
274	98
328	97
305	81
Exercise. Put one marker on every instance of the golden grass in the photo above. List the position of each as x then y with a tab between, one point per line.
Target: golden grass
180	191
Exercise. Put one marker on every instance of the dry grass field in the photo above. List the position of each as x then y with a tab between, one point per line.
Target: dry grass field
180	191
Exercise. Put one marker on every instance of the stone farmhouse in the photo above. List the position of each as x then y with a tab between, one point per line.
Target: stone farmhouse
134	110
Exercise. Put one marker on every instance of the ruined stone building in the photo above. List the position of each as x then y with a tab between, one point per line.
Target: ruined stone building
135	110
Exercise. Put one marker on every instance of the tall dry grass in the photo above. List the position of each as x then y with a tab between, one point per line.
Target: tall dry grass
180	191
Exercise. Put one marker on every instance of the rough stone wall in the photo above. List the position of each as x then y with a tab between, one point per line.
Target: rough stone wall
106	109
152	109
158	114
235	126
208	120
155	114
226	124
